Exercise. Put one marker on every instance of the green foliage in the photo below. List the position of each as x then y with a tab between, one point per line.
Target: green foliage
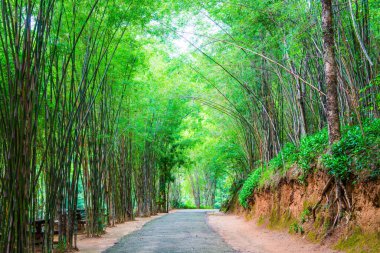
296	228
249	185
312	147
355	156
366	95
188	205
131	102
185	205
279	164
304	215
286	157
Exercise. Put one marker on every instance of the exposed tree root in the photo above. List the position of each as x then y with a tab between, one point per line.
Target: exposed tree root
324	192
341	203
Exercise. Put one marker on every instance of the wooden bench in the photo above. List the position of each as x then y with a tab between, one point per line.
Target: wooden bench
38	233
81	219
39	224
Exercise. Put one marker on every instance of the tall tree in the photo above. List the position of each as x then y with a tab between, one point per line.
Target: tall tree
330	71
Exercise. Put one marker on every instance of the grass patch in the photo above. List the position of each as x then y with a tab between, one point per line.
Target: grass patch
359	242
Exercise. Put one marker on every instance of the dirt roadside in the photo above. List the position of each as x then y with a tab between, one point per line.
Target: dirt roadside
246	236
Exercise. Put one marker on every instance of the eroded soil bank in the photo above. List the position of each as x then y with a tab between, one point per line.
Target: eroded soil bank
288	206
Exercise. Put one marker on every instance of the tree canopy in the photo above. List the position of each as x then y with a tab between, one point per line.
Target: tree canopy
127	108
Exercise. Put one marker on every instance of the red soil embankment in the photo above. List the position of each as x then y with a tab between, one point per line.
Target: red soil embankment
291	198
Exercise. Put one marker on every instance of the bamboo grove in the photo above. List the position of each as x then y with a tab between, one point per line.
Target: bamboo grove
103	108
282	77
284	70
264	65
60	112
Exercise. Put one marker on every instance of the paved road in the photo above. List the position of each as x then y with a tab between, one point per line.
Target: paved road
180	232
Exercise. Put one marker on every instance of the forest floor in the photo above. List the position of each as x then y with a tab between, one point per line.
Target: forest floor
248	237
112	235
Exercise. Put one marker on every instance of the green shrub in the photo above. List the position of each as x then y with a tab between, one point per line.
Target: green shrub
266	177
311	148
248	187
285	158
356	155
281	163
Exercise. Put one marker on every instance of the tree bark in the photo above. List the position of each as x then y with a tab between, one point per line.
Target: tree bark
330	71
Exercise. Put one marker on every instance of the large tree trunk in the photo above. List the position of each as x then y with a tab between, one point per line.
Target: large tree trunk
330	71
335	184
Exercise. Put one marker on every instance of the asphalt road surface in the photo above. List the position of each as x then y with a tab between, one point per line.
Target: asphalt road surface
180	232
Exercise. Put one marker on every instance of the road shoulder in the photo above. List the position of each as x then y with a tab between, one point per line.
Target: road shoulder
246	236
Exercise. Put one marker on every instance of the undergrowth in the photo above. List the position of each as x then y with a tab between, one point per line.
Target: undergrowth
355	158
356	155
249	186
